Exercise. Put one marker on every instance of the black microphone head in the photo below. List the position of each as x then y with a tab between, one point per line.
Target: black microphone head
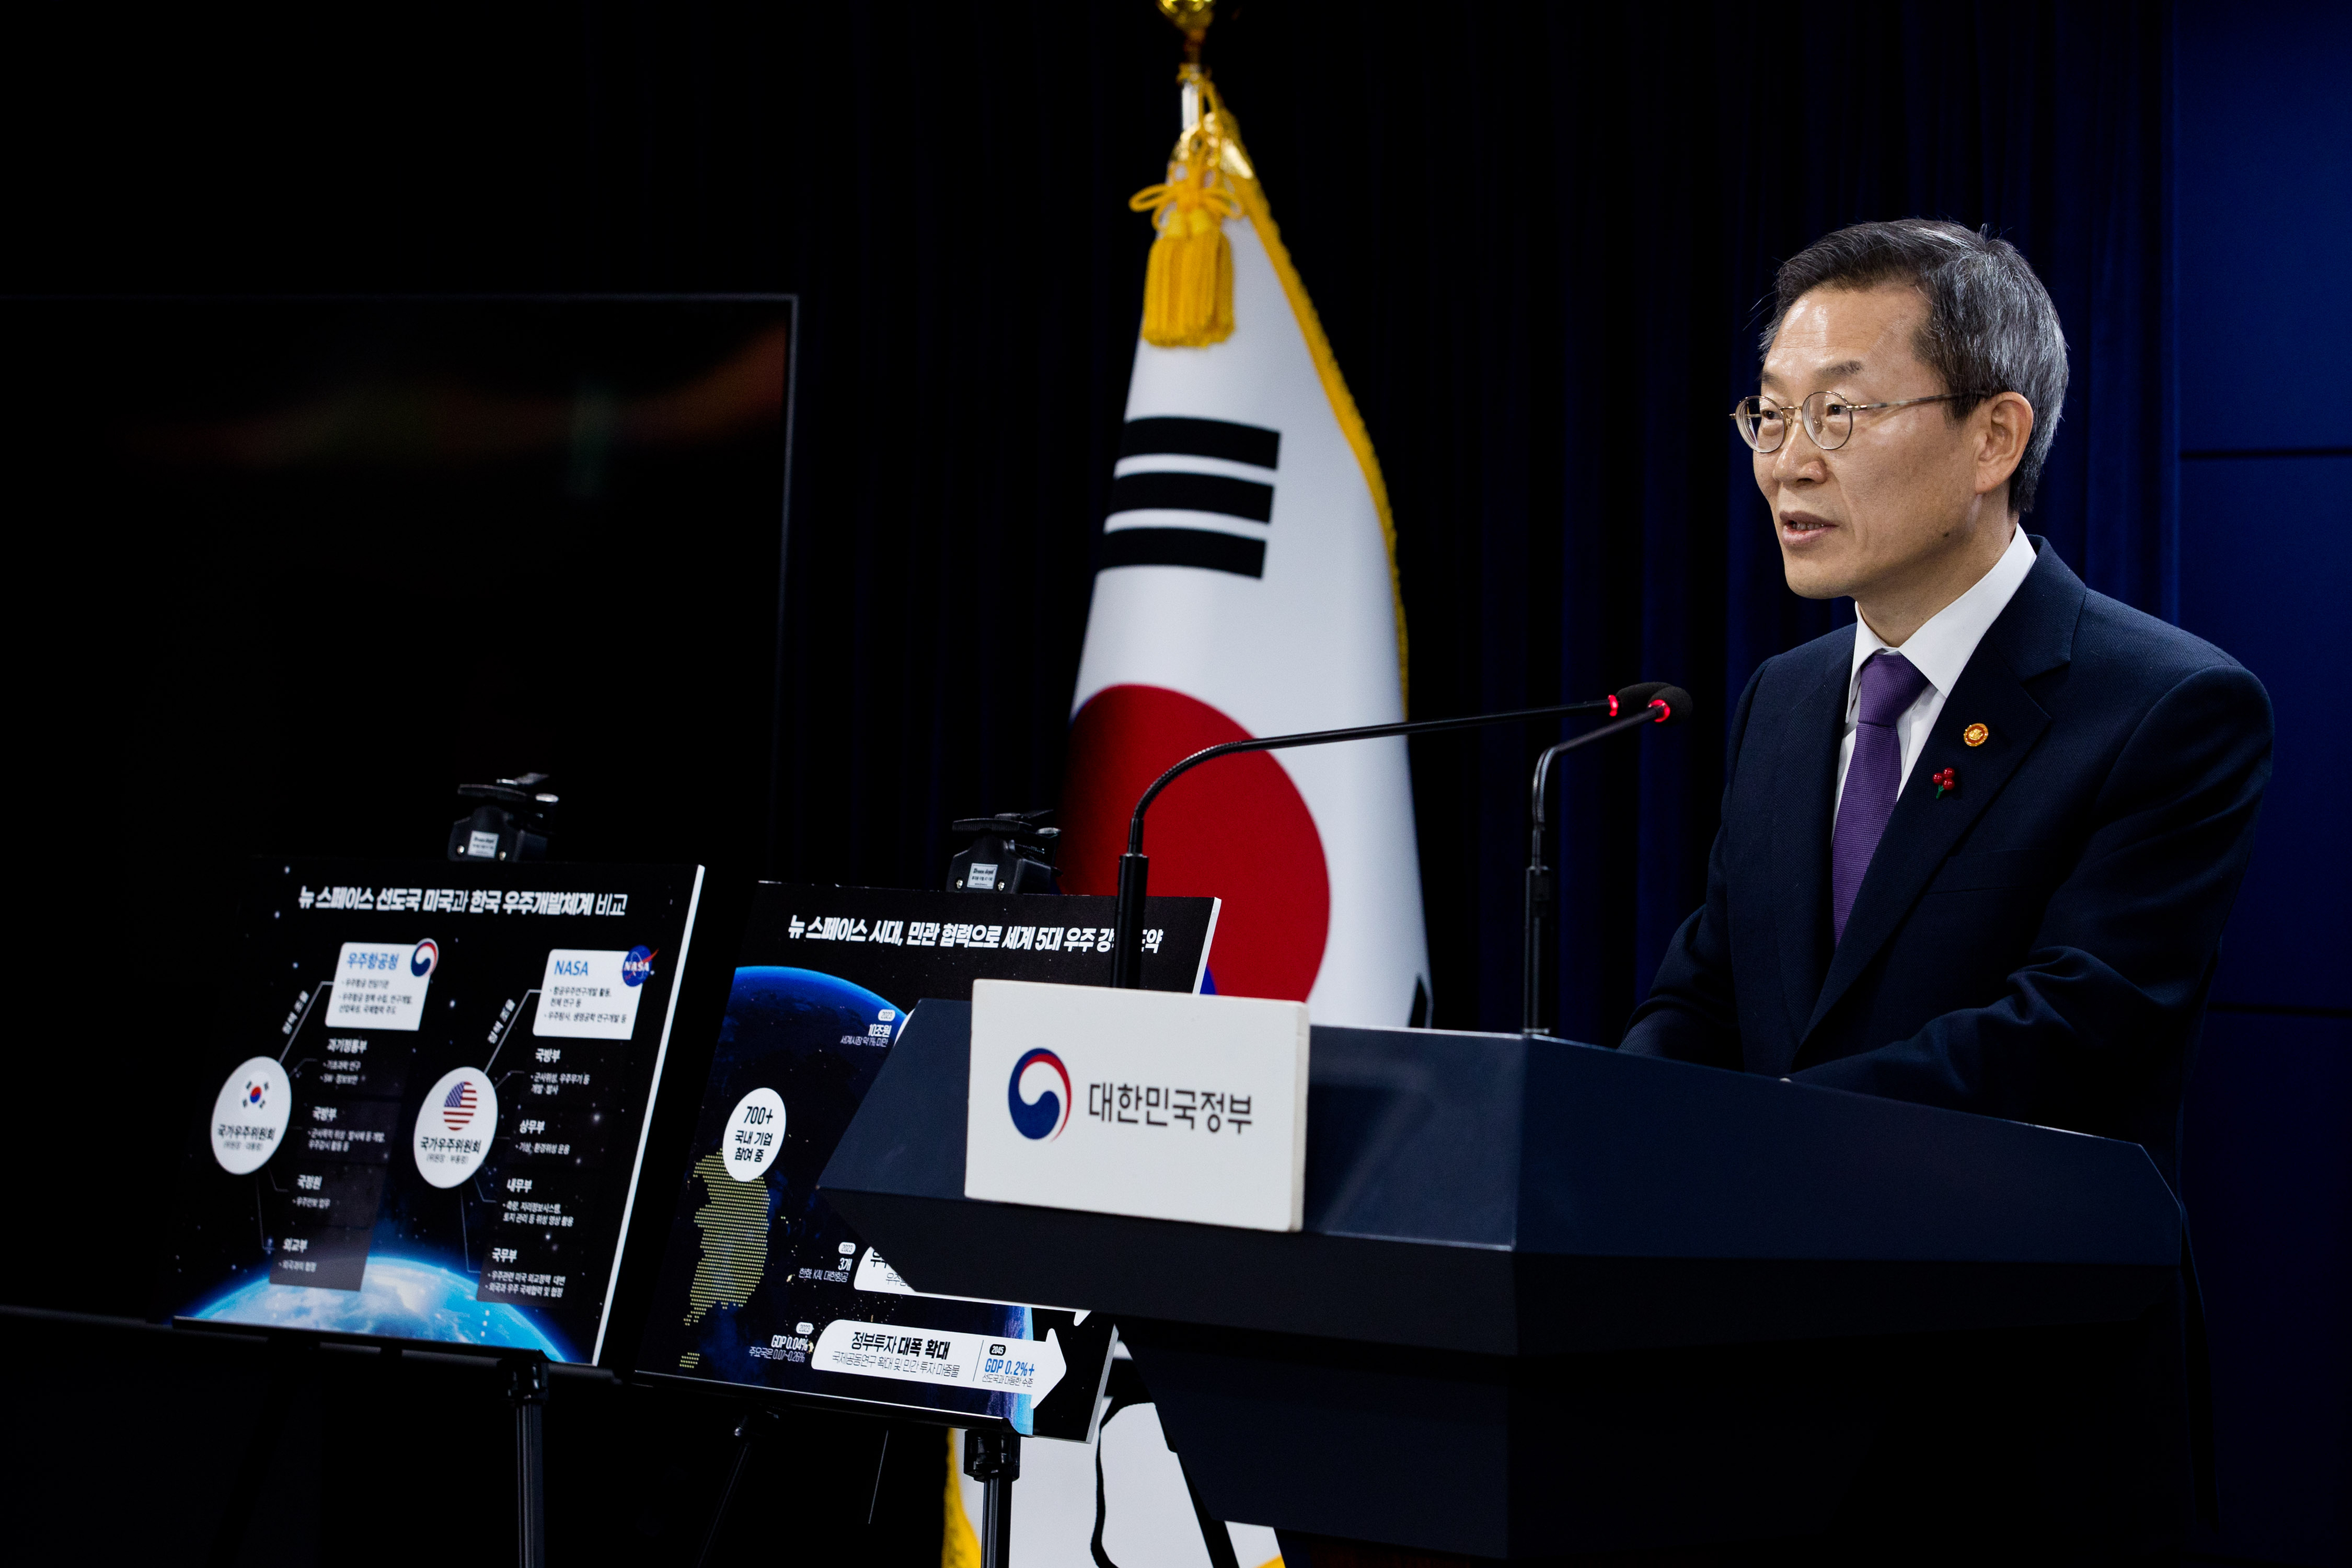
1635	698
1672	703
1632	699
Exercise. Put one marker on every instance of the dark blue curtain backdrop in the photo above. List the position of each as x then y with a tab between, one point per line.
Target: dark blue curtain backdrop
1546	361
2266	563
1540	237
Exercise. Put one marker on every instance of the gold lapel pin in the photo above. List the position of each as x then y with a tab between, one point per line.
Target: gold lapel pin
1976	735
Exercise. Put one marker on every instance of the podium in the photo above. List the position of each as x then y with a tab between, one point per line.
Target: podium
1546	1298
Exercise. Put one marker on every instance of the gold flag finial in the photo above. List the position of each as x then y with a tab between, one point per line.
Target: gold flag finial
1192	18
1187	287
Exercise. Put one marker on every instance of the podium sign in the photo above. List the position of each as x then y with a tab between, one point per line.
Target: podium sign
1137	1103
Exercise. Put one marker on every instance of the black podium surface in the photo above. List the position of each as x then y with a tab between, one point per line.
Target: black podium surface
1547	1297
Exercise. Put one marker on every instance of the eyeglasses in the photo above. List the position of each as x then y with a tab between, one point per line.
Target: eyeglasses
1764	425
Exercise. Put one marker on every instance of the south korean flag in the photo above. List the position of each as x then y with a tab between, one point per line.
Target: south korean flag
1246	587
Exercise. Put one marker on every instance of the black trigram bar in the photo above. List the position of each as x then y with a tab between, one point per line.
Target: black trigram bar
1249	443
1184	547
1192	492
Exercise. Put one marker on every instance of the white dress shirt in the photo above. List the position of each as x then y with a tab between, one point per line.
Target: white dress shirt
1939	650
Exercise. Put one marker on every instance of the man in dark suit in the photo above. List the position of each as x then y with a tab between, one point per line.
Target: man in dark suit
1977	849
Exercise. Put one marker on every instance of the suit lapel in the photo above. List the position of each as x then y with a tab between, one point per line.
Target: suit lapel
2033	635
1804	775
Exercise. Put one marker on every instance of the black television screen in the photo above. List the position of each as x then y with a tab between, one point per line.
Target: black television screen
286	571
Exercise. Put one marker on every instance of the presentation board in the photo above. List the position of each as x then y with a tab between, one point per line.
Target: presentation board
761	1284
425	1102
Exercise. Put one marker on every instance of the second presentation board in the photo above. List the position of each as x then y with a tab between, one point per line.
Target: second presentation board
762	1285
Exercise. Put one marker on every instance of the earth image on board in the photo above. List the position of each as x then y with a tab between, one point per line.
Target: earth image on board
399	1298
803	1009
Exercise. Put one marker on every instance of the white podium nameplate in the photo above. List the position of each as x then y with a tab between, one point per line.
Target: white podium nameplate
1151	1103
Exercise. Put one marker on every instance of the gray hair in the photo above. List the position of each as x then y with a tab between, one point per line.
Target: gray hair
1991	325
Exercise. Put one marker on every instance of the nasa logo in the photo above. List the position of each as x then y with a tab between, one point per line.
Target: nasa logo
638	966
1047	1115
422	961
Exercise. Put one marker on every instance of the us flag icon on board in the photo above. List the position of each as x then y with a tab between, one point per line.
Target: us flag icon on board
1246	587
457	1109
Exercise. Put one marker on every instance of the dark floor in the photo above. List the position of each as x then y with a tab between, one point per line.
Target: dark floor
126	1442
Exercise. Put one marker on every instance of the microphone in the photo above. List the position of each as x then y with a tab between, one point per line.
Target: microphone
1628	709
1644	692
1650	702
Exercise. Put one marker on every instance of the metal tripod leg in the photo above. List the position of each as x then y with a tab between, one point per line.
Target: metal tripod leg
753	1426
1214	1533
994	1459
527	1391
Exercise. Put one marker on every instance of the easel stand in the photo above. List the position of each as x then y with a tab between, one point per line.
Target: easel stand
527	1391
293	1355
755	1425
994	1459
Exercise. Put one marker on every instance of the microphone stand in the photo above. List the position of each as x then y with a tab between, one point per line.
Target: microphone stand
1538	888
1135	867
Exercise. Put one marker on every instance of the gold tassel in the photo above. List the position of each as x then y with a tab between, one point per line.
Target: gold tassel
1188	285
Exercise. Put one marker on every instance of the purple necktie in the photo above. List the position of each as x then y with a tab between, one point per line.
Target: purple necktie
1890	684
